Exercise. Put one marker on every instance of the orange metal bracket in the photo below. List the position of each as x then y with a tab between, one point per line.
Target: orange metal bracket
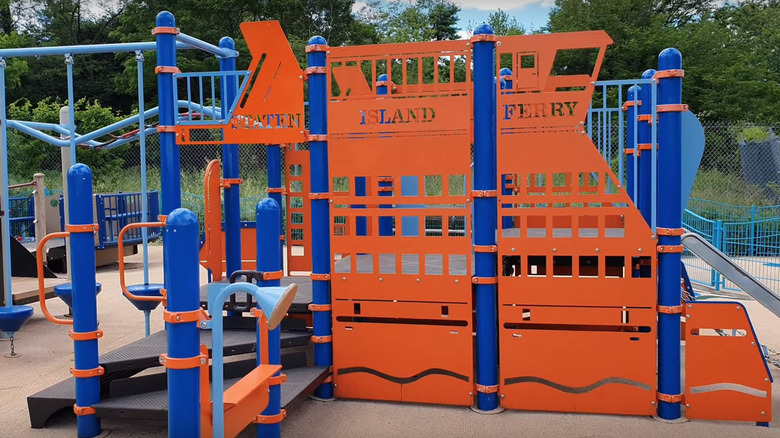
671	398
165	30
645	118
483	37
275	190
319	195
484	280
320	307
483	193
270	419
88	228
629	151
663	74
313	70
183	363
320	277
164	69
85	336
670	310
121	259
669	231
198	316
80	411
83	374
226	183
316	48
39	252
322	339
166	128
487	389
275	275
317	137
672	108
485	248
670	248
629	104
277	380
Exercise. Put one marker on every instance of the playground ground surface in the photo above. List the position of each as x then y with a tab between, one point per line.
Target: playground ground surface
47	352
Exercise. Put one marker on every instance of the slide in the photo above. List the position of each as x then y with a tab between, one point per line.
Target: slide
728	268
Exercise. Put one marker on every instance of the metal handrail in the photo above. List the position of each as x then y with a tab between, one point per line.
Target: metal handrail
40	251
121	258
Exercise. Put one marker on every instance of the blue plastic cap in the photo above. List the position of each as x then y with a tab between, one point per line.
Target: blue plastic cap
484	29
165	19
227	43
181	217
633	90
648	74
505	72
503	83
267	204
318	40
382	77
670	59
79	170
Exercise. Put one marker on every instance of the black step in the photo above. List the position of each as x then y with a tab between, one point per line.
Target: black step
137	356
300	303
301	382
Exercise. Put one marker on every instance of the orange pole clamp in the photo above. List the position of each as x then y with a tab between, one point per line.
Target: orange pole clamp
669	231
186	363
84	374
39	253
385	179
670	310
320	307
274	190
80	411
313	70
645	146
270	419
166	128
483	193
485	248
316	48
645	118
163	218
629	151
671	398
85	336
329	379
319	277
507	77
487	389
484	280
317	137
274	275
88	228
121	258
159	30
384	189
670	248
663	74
483	37
322	339
629	104
182	317
226	183
672	108
319	195
277	380
163	69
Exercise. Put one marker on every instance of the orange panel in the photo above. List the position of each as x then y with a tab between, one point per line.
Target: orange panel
298	210
213	250
578	359
400	351
270	107
726	377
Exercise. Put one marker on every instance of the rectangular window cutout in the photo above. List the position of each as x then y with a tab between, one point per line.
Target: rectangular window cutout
410	226
341	264
510	226
296	186
612	187
387	226
505	61
339	225
562	266
624	318
433	226
296	201
562	226
456	226
428	66
719	332
589	266
445	311
457	264
296	218
412	71
615	226
296	234
297	250
511	266
536	184
537	266
296	170
641	267
380	67
571	62
356	308
444	68
365	263
433	185
397	70
588	183
526	314
615	266
410	264
536	226
456	185
434	264
387	264
562	183
409	186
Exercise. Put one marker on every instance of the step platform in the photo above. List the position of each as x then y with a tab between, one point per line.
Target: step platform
300	304
143	354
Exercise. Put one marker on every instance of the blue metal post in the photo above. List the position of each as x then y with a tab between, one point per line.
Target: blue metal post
505	78
320	210
84	300
631	135
274	155
752	236
717	240
139	58
269	257
72	109
644	158
385	223
230	166
670	217
485	216
5	236
180	254
170	165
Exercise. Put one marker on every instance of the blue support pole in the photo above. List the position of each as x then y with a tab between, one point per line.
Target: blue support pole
385	223
320	210
644	158
631	135
180	254
5	235
85	320
269	257
274	155
72	109
485	216
505	77
170	165
230	166
670	217
139	58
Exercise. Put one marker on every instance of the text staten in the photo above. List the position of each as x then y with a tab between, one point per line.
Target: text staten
266	121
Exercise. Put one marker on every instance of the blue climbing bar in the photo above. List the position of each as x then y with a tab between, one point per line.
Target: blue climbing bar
170	166
232	209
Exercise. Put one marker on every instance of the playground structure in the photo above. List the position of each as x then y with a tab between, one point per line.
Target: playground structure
539	252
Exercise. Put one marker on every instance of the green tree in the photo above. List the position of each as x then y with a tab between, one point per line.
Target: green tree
504	24
423	20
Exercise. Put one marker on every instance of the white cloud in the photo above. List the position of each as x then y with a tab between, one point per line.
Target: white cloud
492	5
358	6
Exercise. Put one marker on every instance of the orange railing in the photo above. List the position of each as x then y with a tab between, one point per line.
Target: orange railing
120	246
40	251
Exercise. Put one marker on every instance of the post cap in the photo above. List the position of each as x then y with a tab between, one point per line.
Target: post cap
648	74
181	217
670	59
633	91
267	204
505	72
227	43
79	171
317	40
484	29
165	19
382	77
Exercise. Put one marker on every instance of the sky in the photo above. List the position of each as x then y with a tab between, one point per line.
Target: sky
532	14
